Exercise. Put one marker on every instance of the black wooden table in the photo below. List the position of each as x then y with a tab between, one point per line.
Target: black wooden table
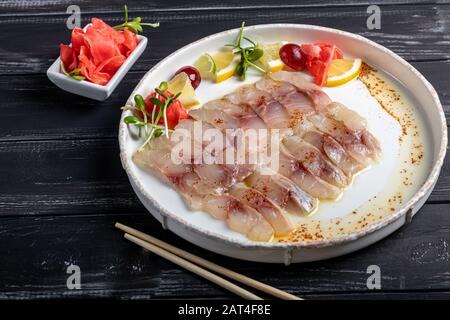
62	186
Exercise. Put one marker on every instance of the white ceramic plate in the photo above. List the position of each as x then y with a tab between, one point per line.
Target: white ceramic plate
166	205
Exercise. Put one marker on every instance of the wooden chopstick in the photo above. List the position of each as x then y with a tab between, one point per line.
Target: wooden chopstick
193	268
207	264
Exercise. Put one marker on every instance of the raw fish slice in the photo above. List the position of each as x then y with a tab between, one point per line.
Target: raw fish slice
215	178
282	191
181	177
362	146
351	119
219	177
243	114
335	152
304	178
217	118
313	159
239	216
189	125
234	110
247	117
323	104
157	156
213	170
202	147
269	210
248	120
296	103
319	98
186	130
265	106
328	146
199	196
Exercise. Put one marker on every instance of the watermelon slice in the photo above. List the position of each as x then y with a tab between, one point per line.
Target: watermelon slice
318	59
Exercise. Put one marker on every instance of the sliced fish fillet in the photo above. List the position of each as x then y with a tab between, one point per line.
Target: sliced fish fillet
282	191
319	98
361	146
239	217
313	159
334	151
324	144
293	169
268	209
295	102
338	113
263	104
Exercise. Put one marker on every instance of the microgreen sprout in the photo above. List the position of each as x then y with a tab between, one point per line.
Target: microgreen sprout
150	121
249	55
134	25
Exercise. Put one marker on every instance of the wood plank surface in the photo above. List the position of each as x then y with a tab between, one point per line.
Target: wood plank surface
19	7
416	32
414	259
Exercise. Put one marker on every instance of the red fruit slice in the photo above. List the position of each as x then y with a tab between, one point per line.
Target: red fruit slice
175	112
312	51
292	56
193	74
321	75
338	53
318	60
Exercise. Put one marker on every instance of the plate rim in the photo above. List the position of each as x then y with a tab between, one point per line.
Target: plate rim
341	239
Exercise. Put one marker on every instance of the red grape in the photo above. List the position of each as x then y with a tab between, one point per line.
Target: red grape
193	75
291	55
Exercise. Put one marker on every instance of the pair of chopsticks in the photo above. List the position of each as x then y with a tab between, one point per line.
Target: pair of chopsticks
195	263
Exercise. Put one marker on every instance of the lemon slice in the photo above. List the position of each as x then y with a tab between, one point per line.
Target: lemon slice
181	83
225	65
342	71
217	67
206	66
270	59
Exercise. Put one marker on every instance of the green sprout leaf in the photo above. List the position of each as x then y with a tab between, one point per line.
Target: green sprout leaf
163	86
140	103
134	25
248	54
255	54
157	102
152	121
74	74
133	120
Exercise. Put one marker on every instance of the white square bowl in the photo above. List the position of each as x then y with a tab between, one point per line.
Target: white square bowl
92	90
